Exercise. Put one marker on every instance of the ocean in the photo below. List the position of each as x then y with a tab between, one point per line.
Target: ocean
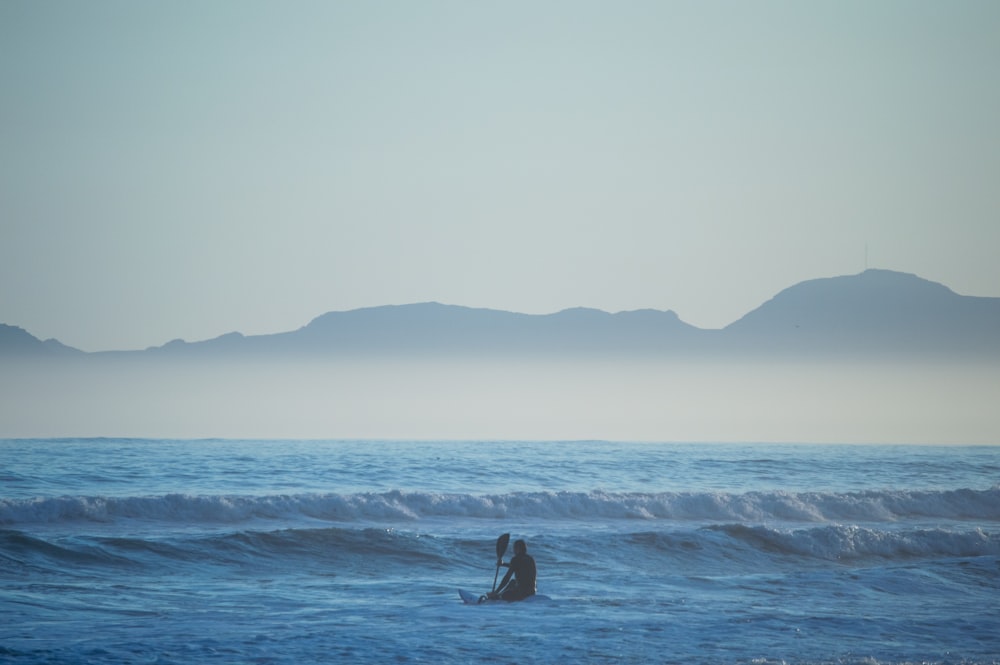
236	551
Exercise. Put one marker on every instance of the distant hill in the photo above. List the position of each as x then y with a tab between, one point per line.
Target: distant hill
877	312
16	341
433	328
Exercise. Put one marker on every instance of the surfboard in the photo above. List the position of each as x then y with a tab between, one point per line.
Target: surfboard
468	597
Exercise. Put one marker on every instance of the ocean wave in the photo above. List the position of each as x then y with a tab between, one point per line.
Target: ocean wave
398	506
234	548
850	543
732	548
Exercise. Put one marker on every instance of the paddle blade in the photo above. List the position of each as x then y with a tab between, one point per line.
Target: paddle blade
502	542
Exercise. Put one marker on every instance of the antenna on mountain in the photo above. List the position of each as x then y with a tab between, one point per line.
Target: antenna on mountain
866	256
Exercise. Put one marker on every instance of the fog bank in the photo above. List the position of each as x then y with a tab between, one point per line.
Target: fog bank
418	399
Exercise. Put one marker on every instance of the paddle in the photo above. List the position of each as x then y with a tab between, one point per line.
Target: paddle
501	550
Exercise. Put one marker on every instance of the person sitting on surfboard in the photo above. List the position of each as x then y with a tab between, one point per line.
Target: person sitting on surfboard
522	569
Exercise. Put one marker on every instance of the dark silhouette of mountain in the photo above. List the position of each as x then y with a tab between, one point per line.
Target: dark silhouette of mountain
17	342
433	328
877	312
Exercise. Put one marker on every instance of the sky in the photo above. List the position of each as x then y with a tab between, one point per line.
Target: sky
186	169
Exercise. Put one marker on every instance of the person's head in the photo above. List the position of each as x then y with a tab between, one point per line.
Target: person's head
520	547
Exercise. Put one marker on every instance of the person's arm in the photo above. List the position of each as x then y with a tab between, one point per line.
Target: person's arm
506	578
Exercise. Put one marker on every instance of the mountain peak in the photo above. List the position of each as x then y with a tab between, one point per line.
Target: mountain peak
16	341
879	309
864	297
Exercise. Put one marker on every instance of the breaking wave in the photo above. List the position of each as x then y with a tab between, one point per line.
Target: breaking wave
376	551
396	506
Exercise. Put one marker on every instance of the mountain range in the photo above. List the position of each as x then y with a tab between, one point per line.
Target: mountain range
876	312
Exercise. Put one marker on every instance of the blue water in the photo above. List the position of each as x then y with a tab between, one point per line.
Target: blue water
155	551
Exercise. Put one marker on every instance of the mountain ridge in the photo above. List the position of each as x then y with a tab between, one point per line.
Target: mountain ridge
876	311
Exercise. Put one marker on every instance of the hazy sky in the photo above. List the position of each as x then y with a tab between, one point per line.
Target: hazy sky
185	169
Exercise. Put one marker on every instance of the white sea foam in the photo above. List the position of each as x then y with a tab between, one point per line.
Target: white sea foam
847	543
754	507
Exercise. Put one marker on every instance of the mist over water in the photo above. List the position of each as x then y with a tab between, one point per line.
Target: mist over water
412	397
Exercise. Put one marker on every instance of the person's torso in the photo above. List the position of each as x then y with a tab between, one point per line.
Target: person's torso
524	570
